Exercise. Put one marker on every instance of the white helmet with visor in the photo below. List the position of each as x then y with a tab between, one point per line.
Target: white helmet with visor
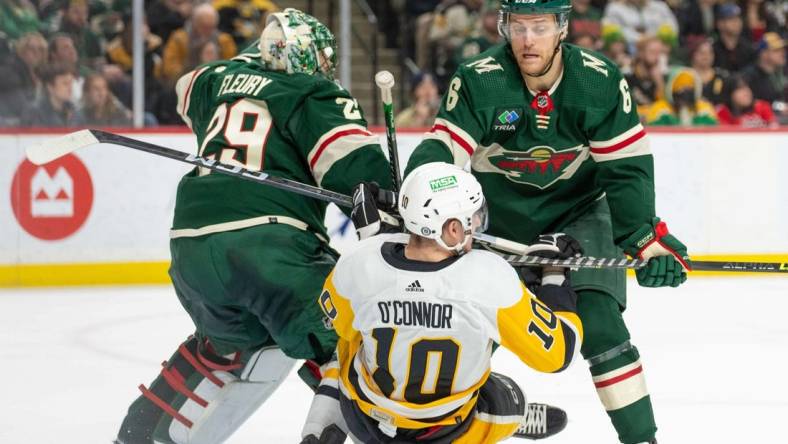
437	192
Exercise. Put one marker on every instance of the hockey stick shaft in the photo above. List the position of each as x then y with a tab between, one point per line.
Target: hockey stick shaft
385	81
53	149
517	259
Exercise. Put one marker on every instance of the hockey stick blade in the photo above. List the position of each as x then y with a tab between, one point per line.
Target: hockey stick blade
55	148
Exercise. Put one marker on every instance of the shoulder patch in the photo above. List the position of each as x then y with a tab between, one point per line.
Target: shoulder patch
484	65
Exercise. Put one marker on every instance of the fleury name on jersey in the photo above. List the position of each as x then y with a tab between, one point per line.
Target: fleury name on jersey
249	84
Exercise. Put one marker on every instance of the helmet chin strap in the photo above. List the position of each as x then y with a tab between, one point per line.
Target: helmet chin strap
459	248
552	59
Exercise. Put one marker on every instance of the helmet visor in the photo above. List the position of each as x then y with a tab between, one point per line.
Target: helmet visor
532	27
480	219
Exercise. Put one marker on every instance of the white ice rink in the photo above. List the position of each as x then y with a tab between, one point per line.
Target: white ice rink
715	352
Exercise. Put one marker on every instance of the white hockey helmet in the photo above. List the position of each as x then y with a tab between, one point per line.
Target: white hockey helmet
437	192
295	42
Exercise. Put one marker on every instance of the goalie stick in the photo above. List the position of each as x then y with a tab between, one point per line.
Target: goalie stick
59	147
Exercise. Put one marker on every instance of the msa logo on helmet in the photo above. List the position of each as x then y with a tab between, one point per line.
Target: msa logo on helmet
505	120
540	166
444	183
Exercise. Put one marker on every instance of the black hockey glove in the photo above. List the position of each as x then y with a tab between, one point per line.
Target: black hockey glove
556	246
553	246
372	210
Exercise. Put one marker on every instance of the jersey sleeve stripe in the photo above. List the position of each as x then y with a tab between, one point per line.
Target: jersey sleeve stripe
628	134
630	143
571	342
456	134
183	90
620	145
342	141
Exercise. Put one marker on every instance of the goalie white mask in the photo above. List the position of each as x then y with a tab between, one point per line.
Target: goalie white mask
296	42
438	192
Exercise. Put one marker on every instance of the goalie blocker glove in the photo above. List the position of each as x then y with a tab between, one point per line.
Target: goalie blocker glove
372	208
668	259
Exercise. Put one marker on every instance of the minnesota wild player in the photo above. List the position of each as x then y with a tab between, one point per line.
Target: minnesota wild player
551	133
249	261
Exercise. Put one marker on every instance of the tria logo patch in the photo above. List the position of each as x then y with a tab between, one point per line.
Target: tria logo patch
415	286
506	119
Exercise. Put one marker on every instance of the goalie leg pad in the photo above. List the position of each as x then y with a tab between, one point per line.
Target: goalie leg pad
200	397
325	409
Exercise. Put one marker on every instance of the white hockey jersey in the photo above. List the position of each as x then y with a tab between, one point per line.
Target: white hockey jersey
416	337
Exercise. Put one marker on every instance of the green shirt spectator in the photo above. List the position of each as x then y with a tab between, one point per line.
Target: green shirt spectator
18	17
75	23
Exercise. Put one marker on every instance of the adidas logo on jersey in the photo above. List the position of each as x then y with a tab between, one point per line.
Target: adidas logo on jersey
415	286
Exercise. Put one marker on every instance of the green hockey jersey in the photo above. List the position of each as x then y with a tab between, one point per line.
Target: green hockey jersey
296	126
543	158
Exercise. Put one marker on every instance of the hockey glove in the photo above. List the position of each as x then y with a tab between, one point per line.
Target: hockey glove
372	208
668	259
550	246
556	246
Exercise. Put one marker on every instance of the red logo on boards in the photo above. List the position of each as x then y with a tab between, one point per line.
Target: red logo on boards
52	201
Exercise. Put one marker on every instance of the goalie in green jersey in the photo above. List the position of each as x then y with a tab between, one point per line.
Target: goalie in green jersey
550	131
248	260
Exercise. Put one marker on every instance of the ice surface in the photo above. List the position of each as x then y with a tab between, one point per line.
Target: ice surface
715	353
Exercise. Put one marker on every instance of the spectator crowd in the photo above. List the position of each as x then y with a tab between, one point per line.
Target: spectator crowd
688	62
69	62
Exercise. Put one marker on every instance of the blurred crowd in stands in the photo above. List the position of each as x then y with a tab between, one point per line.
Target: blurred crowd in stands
688	62
69	62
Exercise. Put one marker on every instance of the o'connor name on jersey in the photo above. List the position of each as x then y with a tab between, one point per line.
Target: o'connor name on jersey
419	313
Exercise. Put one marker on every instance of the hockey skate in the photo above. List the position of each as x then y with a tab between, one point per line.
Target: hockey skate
541	421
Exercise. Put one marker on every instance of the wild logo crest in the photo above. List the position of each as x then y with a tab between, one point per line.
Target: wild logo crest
443	183
540	166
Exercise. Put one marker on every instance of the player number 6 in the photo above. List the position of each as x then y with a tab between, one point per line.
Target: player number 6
452	97
627	97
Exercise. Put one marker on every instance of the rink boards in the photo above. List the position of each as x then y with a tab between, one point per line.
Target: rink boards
103	215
